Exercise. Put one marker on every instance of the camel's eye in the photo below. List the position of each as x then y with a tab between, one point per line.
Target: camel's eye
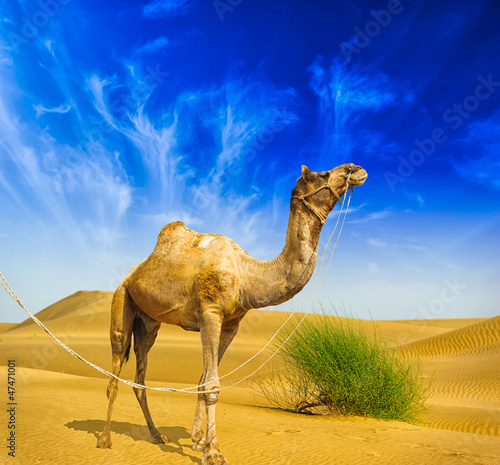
324	174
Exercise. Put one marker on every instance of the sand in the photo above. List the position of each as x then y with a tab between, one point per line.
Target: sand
61	402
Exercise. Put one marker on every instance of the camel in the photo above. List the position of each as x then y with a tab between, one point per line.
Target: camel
207	283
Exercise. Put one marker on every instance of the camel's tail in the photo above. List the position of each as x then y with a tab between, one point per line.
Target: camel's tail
127	352
123	323
135	330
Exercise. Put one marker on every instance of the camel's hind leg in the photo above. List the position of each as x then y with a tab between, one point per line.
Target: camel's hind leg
122	322
145	331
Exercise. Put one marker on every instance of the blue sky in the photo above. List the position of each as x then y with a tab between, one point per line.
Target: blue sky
118	117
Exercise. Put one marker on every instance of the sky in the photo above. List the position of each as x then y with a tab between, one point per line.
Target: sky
119	117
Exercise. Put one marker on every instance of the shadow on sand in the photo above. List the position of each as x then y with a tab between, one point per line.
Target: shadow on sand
139	433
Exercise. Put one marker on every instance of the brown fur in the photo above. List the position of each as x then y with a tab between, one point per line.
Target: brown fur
209	285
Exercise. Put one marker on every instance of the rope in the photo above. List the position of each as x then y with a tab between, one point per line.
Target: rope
194	389
11	292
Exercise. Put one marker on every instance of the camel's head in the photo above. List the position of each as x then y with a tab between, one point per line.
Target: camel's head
323	190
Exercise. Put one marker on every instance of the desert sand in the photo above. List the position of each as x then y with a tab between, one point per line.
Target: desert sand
61	402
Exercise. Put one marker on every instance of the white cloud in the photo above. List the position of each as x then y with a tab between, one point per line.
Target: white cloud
88	199
6	60
482	165
203	194
48	45
40	109
377	243
370	217
346	92
58	186
415	197
153	45
161	8
96	86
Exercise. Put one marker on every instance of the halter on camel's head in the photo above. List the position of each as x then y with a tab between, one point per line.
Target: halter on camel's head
337	181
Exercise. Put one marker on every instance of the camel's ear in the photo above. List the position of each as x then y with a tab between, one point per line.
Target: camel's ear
306	173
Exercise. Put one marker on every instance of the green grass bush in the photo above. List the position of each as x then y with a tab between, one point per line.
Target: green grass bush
331	366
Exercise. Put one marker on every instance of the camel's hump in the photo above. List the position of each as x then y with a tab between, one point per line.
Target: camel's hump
178	235
171	230
170	227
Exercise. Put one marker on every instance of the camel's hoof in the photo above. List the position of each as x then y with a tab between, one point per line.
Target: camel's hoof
104	442
213	458
160	439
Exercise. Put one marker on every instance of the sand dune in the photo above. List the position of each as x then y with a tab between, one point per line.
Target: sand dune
475	339
6	326
62	402
465	366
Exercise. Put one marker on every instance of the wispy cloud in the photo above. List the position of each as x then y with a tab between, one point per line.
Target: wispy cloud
197	183
48	45
345	92
371	217
5	54
4	60
414	249
377	243
89	187
434	256
481	163
96	86
153	46
414	197
59	186
348	89
40	109
140	158
161	8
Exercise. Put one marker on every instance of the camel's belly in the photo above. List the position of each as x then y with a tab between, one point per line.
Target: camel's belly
161	309
165	300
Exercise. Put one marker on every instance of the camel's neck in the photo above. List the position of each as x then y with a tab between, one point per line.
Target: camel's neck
272	282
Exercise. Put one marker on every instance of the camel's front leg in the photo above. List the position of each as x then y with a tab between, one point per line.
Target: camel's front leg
210	328
197	436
